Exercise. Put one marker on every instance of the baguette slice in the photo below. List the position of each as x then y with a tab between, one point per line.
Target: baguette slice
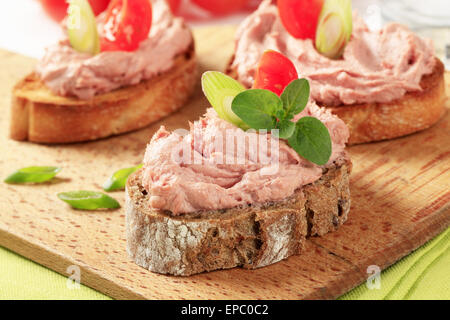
249	237
38	115
415	111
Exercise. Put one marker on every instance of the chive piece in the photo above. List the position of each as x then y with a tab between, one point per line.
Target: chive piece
220	90
82	27
334	28
88	200
119	178
32	175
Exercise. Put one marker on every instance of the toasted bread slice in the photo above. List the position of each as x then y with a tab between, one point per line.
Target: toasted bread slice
38	115
415	111
249	237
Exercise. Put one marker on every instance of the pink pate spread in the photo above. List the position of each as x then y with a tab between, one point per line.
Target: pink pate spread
377	66
70	73
183	186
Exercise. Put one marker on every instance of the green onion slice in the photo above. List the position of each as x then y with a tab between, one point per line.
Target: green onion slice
88	200
33	175
119	178
334	28
220	90
82	27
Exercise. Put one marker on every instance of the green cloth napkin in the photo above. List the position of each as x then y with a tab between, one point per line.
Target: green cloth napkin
423	274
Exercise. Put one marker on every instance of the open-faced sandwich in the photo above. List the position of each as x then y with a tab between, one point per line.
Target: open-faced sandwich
246	185
132	65
383	84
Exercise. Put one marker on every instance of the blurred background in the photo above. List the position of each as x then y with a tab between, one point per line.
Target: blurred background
28	26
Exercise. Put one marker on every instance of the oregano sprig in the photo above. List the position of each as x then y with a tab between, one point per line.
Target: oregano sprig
262	109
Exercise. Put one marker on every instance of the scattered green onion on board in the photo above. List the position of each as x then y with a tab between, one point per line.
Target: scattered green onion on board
88	200
119	178
34	174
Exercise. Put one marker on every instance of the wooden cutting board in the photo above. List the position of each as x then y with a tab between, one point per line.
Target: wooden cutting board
400	199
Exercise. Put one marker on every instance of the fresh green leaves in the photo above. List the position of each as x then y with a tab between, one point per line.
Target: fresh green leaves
220	91
119	178
262	109
295	97
82	27
286	128
257	108
311	140
88	200
33	175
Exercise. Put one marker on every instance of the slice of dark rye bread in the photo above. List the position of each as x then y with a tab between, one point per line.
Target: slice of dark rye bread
249	237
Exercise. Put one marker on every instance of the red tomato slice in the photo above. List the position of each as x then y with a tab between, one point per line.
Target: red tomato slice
57	9
300	17
253	4
98	6
221	7
275	71
174	5
127	23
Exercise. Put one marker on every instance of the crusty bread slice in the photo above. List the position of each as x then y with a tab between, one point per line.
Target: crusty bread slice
38	115
249	237
415	111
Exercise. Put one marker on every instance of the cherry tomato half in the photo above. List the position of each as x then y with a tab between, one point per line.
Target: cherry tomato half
300	17
275	71
221	7
252	5
98	6
57	9
174	5
127	23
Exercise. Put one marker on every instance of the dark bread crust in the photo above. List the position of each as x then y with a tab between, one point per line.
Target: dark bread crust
415	111
38	115
249	237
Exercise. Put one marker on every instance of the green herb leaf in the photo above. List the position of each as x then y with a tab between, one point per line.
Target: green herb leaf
295	97
88	200
263	109
286	128
33	175
258	108
311	140
119	178
220	91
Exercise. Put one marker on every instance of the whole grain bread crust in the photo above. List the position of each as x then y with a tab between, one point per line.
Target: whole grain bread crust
415	111
38	115
249	237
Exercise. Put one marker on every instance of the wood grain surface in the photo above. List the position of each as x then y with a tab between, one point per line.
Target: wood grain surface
400	200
